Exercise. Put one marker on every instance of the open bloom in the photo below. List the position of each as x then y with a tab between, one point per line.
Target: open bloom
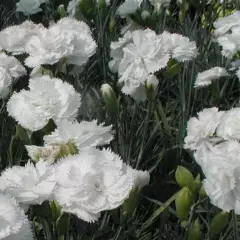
220	165
128	7
10	68
207	77
47	99
84	134
29	7
225	24
15	38
30	184
68	38
91	182
200	129
229	127
13	222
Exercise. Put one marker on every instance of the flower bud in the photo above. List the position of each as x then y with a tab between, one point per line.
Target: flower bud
194	233
102	4
184	224
183	202
61	11
184	177
112	25
130	204
109	98
218	223
202	193
145	14
173	67
67	149
197	183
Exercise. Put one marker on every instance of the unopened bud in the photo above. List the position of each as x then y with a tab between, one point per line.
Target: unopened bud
102	3
197	183
184	177
183	202
202	193
194	233
112	25
145	14
61	11
109	98
218	223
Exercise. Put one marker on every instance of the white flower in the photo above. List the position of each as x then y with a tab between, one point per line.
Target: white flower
13	222
229	127
136	88
200	129
46	153
141	178
29	7
68	38
146	54
83	135
220	165
10	68
181	48
30	184
47	99
225	24
230	44
92	182
207	77
128	7
84	45
117	51
15	38
48	47
160	3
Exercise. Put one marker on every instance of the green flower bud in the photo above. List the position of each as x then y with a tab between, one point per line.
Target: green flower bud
102	4
67	149
181	16
109	98
112	25
130	204
194	233
183	202
173	67
144	15
61	11
184	177
202	193
218	223
197	183
184	224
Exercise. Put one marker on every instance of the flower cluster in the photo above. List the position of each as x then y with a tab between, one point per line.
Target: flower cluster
214	137
138	55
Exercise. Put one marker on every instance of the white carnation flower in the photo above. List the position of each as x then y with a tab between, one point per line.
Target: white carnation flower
128	7
225	24
48	47
136	87
67	38
46	153
10	68
83	135
181	48
229	127
84	45
12	65
92	182
117	51
13	222
15	38
47	99
207	77
230	44
30	184
220	165
29	7
200	129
